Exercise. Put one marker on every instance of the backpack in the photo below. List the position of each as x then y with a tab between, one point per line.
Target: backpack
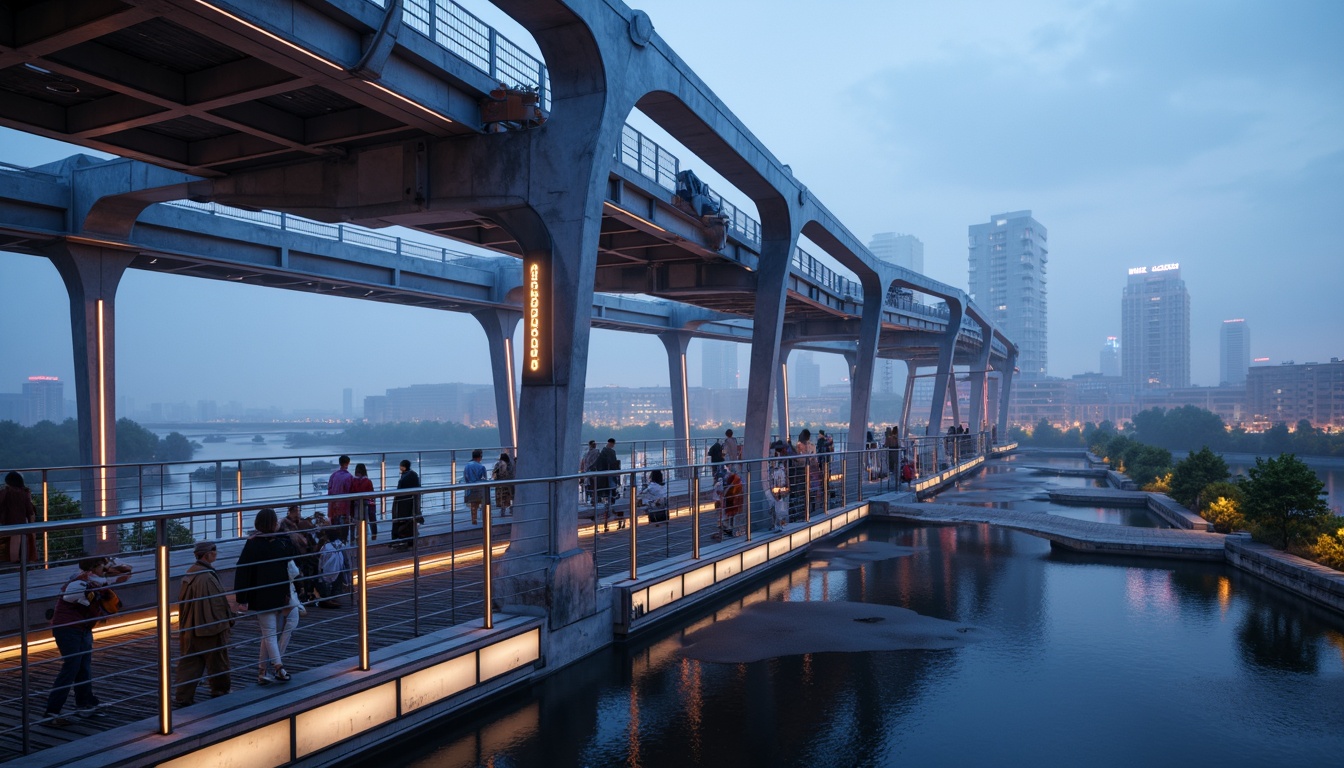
716	452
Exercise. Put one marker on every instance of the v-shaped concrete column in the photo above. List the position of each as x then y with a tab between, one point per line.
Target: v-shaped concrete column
499	325
863	363
1006	392
947	347
676	343
978	373
91	275
767	330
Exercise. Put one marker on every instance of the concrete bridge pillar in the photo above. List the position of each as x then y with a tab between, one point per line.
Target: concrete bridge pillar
947	347
767	358
863	361
499	325
979	370
91	275
1006	392
782	393
676	344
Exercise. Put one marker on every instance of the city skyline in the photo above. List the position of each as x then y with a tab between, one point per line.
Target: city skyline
1128	127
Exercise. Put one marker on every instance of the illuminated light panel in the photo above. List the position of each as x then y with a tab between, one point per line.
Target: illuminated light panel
697	580
726	569
800	539
263	747
755	556
639	603
438	682
508	655
102	422
533	335
779	546
664	592
323	726
272	36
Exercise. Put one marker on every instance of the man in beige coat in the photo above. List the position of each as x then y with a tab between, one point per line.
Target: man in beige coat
205	620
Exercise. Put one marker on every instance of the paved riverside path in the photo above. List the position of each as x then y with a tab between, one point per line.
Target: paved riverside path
1080	535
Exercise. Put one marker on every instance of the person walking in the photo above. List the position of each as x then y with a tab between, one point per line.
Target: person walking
406	508
732	449
807	462
586	464
893	446
503	470
779	487
607	488
78	609
825	446
340	482
474	472
16	508
204	621
368	508
734	501
261	582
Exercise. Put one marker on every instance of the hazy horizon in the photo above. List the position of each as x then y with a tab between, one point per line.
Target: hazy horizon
1137	133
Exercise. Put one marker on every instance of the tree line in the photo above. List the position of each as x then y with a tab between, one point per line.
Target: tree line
47	444
1189	427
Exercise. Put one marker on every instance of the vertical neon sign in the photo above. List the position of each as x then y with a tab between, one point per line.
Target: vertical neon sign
536	324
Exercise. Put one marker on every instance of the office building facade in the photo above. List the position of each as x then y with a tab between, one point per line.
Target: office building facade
1110	357
1008	258
1234	352
1155	328
1289	393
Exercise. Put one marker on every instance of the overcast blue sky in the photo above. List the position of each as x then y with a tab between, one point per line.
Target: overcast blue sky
1205	133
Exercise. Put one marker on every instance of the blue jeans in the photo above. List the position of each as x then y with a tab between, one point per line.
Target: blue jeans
76	644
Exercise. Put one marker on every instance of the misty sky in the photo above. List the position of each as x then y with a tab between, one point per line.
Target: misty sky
1210	134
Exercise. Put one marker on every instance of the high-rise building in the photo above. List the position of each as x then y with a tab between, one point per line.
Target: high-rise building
804	376
347	403
45	396
718	366
1007	259
1155	328
1234	345
902	250
1110	357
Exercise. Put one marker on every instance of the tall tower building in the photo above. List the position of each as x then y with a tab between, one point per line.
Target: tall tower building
1155	328
1110	357
804	376
347	403
1007	258
718	365
45	399
1234	344
902	250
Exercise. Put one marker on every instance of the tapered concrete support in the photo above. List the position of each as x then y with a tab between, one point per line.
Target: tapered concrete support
947	348
911	371
91	276
979	370
766	333
782	396
1006	393
864	363
676	344
499	325
953	397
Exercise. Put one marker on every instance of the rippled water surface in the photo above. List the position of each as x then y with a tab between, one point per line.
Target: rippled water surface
1088	661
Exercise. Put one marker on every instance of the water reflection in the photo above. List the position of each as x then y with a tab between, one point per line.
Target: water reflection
1085	653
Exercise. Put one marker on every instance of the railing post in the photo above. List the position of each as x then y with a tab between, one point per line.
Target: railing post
807	492
493	63
25	684
362	526
541	84
634	520
487	560
695	513
746	497
46	507
239	499
165	628
844	481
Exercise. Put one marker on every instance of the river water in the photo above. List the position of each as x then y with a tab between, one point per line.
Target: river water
1088	661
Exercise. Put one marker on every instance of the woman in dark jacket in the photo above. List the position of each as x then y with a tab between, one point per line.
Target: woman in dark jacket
262	585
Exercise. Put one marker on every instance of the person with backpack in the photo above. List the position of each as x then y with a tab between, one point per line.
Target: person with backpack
84	601
503	470
715	453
